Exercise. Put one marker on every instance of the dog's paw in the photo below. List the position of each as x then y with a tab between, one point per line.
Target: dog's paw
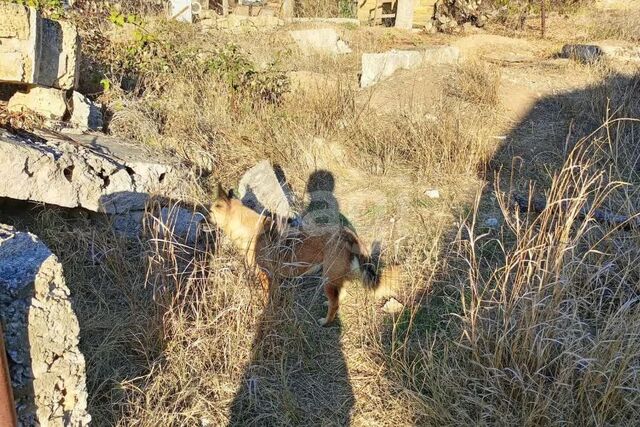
322	321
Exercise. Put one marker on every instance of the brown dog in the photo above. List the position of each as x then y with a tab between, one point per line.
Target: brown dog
336	252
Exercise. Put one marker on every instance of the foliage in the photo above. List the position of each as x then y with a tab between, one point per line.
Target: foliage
50	8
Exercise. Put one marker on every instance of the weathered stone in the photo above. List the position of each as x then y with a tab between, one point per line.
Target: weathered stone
94	172
36	50
42	334
441	55
48	102
19	43
320	41
392	306
174	223
264	191
432	194
85	115
59	62
616	50
404	14
379	66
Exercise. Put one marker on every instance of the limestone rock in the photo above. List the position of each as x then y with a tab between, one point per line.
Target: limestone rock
392	306
379	66
86	115
264	191
94	172
42	334
432	194
46	101
36	50
320	41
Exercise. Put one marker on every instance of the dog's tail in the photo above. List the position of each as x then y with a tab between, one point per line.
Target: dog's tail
381	279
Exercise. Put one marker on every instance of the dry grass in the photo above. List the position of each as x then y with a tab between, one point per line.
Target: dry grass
532	323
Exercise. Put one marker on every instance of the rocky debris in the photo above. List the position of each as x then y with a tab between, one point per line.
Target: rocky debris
41	334
94	172
404	14
36	50
263	188
432	194
378	66
392	306
592	52
324	41
450	15
48	102
241	23
85	115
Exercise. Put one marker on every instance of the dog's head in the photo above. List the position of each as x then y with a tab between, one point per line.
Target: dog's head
223	207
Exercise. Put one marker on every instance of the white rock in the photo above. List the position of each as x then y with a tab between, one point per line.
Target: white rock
432	194
49	102
86	115
320	41
379	66
392	306
262	190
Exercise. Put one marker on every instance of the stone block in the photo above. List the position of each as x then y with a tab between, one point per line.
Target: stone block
35	50
46	101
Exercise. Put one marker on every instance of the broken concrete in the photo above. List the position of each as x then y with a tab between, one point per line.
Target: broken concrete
379	66
36	50
48	102
94	172
263	189
41	334
592	52
86	115
324	41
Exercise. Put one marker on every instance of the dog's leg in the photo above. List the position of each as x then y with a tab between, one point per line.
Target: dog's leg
265	282
332	290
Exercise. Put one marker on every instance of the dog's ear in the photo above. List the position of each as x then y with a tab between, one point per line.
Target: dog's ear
222	195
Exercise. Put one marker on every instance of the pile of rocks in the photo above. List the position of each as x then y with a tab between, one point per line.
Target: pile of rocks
39	64
450	15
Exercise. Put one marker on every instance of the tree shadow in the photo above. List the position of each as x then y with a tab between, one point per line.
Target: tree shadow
297	373
534	149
